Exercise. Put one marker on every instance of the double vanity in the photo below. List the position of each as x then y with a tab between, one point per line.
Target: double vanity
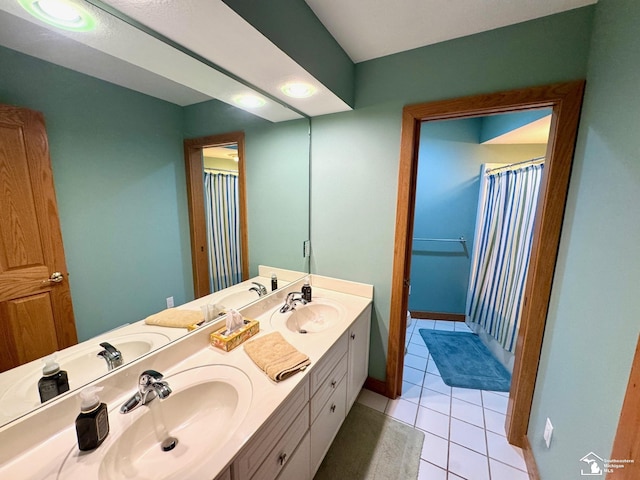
221	416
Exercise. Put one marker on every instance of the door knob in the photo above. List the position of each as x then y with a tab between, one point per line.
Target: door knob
56	277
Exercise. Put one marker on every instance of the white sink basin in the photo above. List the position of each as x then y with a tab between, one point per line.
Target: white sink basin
82	366
315	317
238	299
205	407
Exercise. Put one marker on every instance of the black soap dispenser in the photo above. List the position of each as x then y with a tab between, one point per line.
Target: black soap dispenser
274	282
54	381
306	291
92	425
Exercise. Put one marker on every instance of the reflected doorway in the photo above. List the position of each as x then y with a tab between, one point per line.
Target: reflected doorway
217	211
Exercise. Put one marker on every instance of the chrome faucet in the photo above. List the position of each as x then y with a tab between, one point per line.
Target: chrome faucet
150	386
111	354
259	289
291	301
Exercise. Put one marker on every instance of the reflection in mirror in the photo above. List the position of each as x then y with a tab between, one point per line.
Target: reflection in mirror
120	186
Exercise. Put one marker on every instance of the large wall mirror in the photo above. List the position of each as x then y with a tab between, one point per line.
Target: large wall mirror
116	130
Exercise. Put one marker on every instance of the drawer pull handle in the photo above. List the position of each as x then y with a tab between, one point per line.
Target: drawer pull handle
333	408
333	384
353	336
282	458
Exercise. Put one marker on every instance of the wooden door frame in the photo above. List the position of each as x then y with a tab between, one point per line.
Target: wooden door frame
195	202
566	100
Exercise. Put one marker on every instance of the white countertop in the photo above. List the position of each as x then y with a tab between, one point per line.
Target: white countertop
37	445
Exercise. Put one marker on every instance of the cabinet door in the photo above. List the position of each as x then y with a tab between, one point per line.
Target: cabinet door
298	467
226	475
358	355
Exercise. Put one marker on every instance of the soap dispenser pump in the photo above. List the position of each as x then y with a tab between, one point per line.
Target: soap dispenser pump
54	381
92	425
306	290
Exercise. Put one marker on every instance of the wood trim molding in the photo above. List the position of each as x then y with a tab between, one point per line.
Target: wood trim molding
566	100
452	317
626	445
529	460
195	203
375	385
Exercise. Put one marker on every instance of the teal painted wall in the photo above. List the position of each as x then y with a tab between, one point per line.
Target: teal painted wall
277	175
119	178
449	160
354	168
593	324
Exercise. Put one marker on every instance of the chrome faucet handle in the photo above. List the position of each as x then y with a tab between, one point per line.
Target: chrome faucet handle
149	377
262	290
289	303
112	355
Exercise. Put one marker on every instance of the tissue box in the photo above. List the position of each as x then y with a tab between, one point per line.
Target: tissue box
229	342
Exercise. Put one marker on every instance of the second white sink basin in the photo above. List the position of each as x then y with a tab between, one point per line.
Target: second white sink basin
206	406
319	315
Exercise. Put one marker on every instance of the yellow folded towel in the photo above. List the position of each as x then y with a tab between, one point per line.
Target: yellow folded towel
277	357
172	317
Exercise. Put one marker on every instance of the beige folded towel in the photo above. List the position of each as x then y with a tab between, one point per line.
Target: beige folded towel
172	317
277	357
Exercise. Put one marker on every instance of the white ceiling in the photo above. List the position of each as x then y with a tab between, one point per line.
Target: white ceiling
121	54
369	29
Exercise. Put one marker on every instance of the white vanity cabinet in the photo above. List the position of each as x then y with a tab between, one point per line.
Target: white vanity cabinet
359	334
275	445
226	475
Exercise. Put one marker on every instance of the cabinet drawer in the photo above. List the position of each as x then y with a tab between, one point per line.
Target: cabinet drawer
257	450
325	427
283	451
327	363
329	386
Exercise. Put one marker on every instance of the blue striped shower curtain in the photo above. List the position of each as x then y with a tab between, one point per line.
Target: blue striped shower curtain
501	251
223	230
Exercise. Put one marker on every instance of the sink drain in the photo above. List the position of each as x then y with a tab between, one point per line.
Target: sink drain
169	444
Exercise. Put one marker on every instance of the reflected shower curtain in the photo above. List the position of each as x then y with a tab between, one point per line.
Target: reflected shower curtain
223	230
501	252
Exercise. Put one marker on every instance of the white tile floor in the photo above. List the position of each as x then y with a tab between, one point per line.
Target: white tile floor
464	429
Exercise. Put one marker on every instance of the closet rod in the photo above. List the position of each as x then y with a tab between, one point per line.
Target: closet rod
461	239
533	160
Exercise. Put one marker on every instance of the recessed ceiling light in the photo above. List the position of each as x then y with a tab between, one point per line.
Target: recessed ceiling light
298	89
63	14
249	101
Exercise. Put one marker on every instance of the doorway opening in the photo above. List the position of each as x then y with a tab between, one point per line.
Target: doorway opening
477	185
217	211
565	101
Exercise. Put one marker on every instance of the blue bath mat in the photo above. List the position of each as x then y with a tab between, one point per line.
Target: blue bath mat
464	361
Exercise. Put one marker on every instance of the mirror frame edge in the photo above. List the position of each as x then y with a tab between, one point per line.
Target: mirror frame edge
195	204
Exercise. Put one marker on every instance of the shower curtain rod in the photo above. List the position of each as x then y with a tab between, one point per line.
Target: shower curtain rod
533	160
235	172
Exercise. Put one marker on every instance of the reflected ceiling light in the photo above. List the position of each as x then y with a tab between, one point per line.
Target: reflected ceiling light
63	14
234	156
298	89
249	101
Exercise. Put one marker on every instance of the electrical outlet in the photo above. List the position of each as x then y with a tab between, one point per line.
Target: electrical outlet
169	302
548	432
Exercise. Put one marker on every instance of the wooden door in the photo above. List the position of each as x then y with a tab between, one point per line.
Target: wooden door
36	315
626	445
